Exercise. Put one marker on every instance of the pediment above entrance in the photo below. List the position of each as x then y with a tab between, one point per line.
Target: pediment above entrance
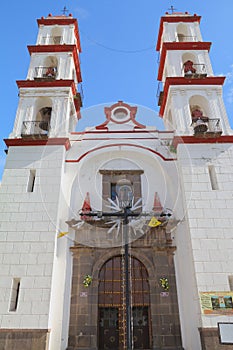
122	115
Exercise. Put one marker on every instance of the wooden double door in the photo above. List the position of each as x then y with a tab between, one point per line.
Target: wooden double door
112	308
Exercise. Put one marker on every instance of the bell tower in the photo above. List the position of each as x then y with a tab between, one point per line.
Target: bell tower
32	188
189	94
50	96
191	105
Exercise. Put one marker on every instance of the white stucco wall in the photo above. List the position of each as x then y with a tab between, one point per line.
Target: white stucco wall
29	226
208	220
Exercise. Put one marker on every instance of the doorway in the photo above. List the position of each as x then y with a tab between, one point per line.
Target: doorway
112	308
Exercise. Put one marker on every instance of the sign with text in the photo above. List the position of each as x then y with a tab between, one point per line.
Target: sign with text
213	303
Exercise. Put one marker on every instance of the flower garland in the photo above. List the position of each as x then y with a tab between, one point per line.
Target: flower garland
164	283
87	280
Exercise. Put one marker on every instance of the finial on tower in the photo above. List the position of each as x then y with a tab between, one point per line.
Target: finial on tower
64	11
172	9
157	207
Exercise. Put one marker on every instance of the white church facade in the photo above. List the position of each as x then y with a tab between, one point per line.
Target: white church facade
120	236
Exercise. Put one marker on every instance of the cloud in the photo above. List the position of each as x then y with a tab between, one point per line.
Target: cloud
228	84
229	75
230	95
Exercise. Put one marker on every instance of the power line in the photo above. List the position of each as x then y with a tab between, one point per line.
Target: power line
113	49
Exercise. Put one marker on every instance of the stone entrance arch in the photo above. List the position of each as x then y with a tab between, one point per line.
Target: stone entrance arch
112	306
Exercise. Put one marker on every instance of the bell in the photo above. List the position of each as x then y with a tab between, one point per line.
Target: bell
200	128
43	125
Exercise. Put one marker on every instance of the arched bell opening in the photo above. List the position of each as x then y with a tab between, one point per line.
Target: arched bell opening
50	67
56	36
48	70
188	64
182	33
38	125
199	114
43	116
191	68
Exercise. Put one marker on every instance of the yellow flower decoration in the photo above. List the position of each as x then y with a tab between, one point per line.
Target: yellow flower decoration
87	280
164	283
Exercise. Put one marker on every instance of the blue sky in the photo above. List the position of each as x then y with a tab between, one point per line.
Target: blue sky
118	58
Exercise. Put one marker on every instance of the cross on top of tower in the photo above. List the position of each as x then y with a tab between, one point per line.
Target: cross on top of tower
65	10
172	9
